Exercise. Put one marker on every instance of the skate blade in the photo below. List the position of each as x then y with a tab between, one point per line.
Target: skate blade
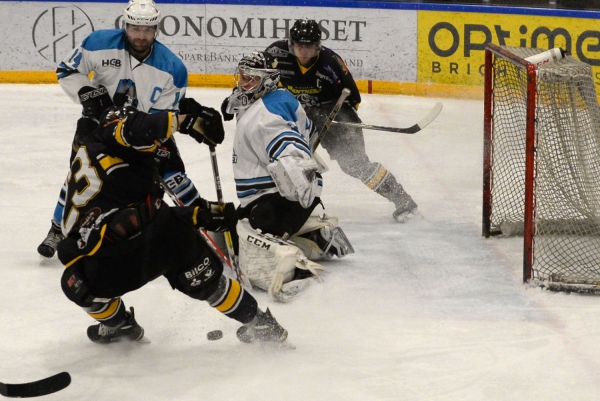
49	262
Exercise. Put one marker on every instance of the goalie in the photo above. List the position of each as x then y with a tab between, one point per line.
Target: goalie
278	184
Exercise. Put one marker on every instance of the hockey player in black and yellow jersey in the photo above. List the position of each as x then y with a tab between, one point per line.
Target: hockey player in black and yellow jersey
120	235
316	75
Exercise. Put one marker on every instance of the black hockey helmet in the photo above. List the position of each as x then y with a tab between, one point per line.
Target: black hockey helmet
306	31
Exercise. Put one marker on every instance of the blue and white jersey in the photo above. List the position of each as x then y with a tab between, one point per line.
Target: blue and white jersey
273	126
154	85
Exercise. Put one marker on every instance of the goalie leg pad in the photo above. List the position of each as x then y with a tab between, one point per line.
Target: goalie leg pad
270	262
321	238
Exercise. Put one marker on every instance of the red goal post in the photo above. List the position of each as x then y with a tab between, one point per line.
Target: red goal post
541	165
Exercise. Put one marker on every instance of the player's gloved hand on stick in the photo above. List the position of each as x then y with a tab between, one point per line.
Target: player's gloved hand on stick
212	219
94	101
204	124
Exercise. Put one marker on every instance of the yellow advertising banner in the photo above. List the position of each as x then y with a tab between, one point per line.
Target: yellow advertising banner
451	44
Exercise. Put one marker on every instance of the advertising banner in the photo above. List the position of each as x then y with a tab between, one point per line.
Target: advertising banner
451	44
210	39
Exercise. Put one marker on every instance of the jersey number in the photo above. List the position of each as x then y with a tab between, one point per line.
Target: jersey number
86	178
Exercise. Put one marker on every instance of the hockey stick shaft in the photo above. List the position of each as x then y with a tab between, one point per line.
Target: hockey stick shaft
408	130
203	232
38	388
228	239
334	112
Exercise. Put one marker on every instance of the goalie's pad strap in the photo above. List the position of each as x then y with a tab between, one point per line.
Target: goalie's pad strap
296	179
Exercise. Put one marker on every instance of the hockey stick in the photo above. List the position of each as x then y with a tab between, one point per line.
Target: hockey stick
203	232
409	130
228	240
338	105
38	388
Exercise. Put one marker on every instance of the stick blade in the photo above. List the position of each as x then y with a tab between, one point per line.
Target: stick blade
428	118
38	388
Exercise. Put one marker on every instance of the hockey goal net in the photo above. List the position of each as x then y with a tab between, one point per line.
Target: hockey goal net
542	165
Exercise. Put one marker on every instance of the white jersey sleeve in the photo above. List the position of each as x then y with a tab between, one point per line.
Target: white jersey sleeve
153	85
272	127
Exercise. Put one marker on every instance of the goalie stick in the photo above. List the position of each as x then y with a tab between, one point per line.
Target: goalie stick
409	130
338	105
228	240
38	388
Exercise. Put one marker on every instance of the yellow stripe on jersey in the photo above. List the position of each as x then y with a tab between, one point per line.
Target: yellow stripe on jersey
93	251
195	216
119	134
233	295
108	312
109	161
374	182
121	139
173	125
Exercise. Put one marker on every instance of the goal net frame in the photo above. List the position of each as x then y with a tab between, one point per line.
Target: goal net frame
528	107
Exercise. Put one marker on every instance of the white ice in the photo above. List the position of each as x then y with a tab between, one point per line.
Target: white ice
427	310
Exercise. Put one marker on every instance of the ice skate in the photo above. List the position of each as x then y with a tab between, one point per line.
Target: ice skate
263	328
406	208
128	330
48	247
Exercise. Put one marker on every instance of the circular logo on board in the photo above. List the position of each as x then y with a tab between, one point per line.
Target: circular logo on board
59	30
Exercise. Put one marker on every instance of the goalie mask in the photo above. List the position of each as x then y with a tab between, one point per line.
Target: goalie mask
255	76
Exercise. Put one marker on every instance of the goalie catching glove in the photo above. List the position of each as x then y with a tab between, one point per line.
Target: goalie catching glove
297	179
204	124
94	101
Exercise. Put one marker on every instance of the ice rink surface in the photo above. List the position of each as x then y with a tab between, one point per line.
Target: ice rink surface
427	310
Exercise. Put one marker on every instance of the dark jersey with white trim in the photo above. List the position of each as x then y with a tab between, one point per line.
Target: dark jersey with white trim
115	167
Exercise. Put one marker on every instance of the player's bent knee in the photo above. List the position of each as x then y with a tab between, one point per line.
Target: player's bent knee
74	287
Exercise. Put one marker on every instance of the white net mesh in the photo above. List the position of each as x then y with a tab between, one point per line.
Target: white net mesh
566	245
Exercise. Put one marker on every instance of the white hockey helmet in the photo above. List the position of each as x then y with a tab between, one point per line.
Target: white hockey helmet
141	12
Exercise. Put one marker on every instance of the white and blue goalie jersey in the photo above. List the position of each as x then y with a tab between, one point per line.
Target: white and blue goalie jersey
154	85
273	126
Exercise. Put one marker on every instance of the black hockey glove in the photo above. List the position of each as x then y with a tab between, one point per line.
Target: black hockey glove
226	115
188	105
212	219
205	126
94	101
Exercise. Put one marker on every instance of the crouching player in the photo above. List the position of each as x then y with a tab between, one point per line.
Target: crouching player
278	184
120	235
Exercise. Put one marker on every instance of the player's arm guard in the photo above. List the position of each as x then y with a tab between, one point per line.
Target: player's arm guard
297	179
